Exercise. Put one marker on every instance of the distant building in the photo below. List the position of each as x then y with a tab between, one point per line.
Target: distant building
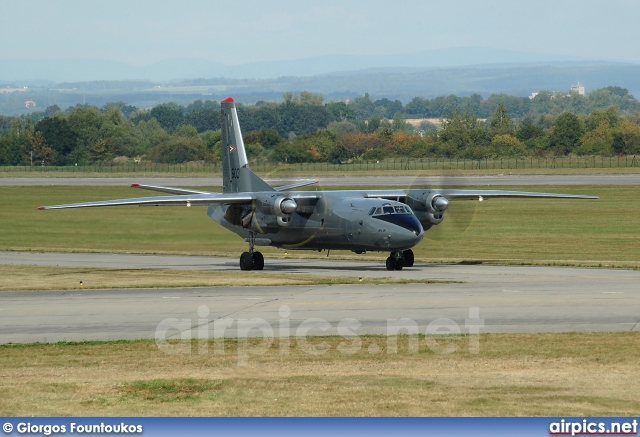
574	89
578	89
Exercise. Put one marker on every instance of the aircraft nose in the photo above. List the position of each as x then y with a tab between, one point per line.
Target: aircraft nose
412	224
401	240
411	235
415	236
406	233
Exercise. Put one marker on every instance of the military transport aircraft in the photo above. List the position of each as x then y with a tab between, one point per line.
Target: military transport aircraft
391	221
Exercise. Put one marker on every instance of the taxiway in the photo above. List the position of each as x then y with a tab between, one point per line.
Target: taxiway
487	298
333	181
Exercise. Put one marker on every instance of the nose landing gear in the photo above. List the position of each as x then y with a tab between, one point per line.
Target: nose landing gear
398	260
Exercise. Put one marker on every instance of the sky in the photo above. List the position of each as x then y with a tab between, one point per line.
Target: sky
141	32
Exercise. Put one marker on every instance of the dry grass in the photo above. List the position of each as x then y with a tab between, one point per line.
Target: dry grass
25	277
588	374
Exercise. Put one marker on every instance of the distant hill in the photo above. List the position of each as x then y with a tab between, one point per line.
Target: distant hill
427	74
83	70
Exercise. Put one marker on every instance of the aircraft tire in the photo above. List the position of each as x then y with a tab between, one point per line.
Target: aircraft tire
408	258
399	264
391	263
258	261
246	261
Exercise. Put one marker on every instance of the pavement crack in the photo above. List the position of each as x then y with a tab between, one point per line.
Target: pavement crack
196	326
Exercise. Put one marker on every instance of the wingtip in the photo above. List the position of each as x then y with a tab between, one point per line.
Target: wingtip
40	208
135	185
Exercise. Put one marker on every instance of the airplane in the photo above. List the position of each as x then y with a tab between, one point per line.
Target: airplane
360	221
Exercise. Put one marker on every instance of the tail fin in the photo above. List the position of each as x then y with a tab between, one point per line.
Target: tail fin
236	175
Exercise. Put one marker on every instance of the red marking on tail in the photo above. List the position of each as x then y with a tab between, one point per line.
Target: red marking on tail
228	100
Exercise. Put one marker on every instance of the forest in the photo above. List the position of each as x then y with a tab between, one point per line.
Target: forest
304	128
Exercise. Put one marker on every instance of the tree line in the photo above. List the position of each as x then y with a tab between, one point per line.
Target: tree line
303	128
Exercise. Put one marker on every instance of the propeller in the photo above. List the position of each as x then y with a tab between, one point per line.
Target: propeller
457	215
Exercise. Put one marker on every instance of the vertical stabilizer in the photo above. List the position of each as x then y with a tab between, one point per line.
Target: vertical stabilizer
236	175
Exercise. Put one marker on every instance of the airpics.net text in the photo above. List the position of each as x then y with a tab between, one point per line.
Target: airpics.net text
255	336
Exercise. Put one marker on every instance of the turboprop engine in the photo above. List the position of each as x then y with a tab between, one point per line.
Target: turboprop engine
275	207
267	211
283	208
428	206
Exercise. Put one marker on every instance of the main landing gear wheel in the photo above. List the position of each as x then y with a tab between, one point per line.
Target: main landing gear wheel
258	261
250	261
246	261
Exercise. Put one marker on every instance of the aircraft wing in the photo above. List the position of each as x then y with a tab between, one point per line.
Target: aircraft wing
180	200
486	194
452	194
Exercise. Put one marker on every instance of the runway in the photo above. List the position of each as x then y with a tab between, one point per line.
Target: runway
333	181
487	299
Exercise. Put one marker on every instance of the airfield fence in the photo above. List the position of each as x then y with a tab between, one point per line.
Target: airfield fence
266	167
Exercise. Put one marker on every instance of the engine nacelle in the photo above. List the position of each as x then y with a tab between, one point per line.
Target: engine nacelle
284	206
428	206
436	205
275	210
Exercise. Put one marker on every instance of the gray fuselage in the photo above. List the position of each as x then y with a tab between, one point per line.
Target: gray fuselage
344	220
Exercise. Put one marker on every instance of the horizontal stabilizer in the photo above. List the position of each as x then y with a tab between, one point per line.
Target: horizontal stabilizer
169	190
296	185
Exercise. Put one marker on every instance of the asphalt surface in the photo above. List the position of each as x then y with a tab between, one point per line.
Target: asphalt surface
378	181
488	299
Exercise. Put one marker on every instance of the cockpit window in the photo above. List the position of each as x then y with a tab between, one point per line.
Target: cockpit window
390	209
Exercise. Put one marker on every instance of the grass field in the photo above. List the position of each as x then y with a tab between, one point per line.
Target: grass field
590	374
601	232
